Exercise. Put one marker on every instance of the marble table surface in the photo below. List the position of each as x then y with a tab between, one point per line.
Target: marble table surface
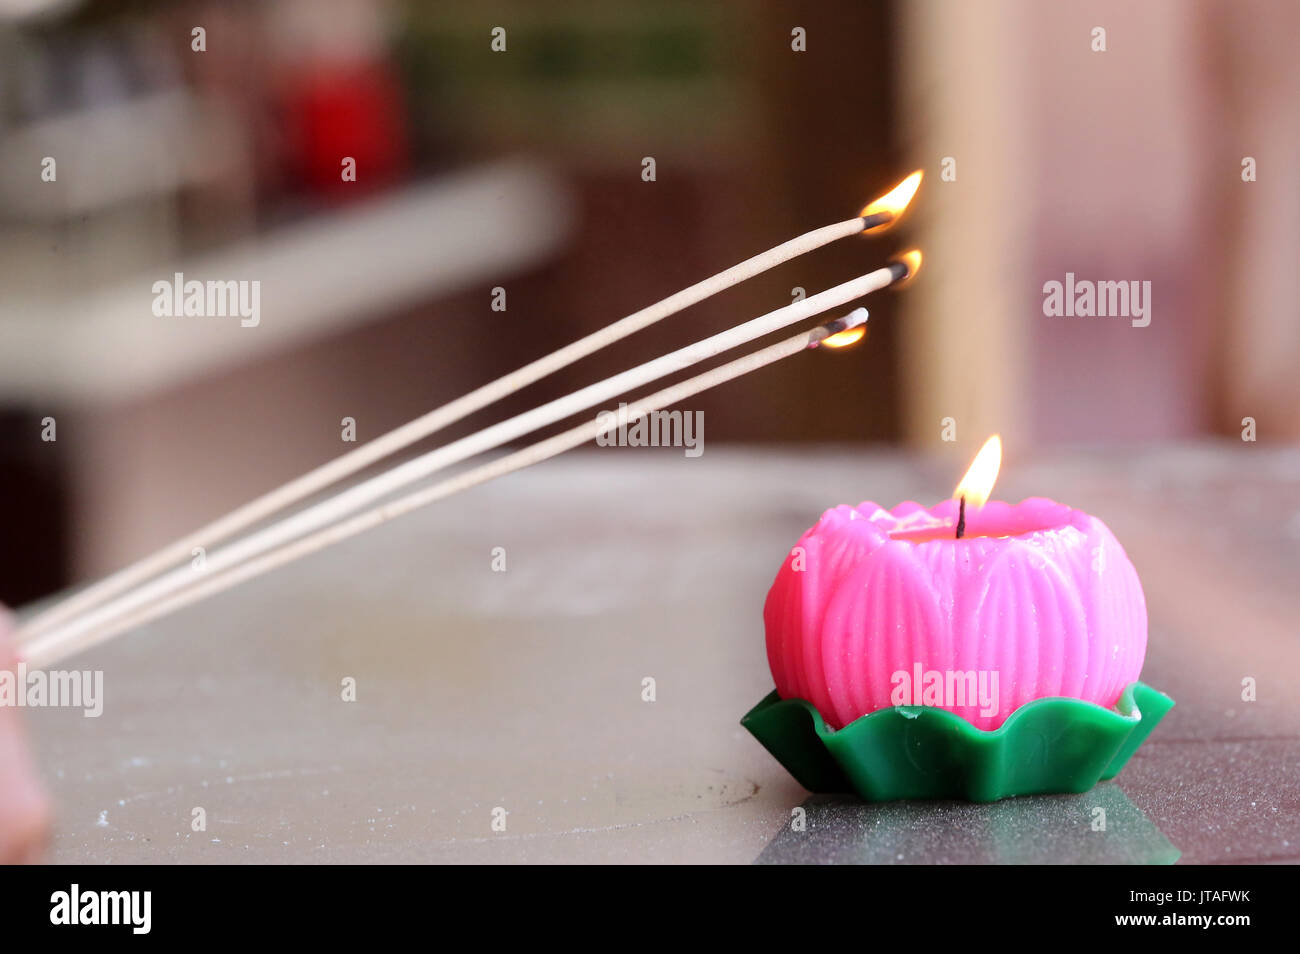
480	691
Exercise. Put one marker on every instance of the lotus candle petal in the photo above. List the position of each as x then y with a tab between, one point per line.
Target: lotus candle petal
875	608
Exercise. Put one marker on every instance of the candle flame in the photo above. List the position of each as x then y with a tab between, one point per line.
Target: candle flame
894	202
842	339
978	483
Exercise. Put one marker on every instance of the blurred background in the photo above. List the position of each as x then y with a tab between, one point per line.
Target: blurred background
220	154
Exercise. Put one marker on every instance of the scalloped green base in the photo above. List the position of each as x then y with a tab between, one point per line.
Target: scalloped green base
1045	746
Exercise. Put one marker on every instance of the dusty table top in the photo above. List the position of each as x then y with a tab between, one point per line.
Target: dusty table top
522	690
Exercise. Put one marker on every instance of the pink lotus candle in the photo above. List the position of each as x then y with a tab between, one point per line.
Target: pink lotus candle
876	608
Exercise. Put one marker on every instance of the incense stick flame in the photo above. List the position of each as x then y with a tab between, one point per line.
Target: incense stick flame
894	202
978	483
912	259
842	339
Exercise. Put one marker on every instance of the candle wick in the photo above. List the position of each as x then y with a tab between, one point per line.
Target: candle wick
961	517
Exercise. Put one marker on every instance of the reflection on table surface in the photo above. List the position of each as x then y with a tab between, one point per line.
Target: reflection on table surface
1098	827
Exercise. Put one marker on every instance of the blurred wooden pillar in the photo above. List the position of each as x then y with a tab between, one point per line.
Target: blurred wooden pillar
1258	76
962	355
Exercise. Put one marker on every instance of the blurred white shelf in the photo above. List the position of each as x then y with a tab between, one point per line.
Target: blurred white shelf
317	277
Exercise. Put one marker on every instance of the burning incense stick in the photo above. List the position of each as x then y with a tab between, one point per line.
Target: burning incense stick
376	488
50	648
876	216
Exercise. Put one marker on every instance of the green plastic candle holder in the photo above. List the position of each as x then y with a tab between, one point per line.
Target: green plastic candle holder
1046	746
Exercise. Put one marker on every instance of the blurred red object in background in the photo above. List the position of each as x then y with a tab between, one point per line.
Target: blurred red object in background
345	110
